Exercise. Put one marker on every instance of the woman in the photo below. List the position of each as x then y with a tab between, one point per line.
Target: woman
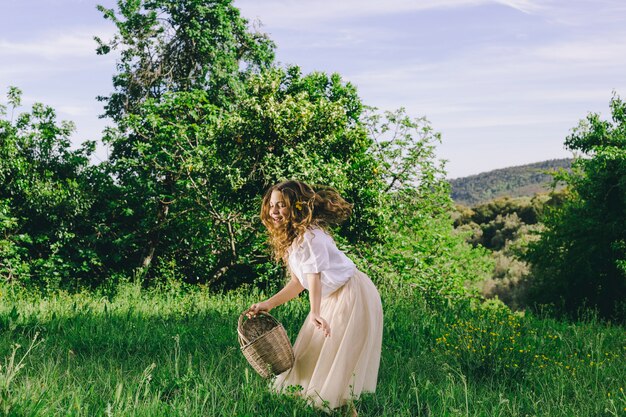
337	352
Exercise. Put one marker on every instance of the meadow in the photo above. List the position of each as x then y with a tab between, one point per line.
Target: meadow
203	118
172	350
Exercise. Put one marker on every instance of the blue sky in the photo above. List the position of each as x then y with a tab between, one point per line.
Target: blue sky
504	81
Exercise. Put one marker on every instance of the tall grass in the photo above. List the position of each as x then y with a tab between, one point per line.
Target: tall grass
173	351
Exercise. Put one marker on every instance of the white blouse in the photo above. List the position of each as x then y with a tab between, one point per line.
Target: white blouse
317	252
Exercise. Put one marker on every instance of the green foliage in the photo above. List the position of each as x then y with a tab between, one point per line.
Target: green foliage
173	45
527	209
505	226
580	259
204	125
430	258
306	127
519	181
14	265
503	220
45	198
421	247
191	174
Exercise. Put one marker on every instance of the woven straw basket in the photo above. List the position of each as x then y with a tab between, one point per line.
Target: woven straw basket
265	344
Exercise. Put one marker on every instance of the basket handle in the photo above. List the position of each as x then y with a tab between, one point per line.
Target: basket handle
240	323
241	337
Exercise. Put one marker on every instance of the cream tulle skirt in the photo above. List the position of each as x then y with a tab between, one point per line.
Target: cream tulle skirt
331	371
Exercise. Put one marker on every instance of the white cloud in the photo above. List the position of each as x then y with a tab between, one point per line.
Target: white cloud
296	13
55	46
598	52
526	6
61	47
499	93
23	69
492	74
598	13
75	110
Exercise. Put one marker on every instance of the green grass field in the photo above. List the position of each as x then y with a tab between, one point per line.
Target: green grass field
173	351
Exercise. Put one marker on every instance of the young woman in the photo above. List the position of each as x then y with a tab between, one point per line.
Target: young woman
337	352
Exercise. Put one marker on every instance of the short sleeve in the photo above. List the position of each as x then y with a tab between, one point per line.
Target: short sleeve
315	255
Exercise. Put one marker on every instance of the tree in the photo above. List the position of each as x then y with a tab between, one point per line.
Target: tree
193	173
420	246
173	45
46	194
200	49
580	260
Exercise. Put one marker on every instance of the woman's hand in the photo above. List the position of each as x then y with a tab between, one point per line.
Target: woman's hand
320	324
257	308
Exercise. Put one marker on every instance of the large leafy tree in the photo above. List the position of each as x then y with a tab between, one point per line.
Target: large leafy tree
193	173
205	123
172	53
580	260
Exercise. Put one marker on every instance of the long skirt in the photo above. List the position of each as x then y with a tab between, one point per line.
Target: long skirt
330	371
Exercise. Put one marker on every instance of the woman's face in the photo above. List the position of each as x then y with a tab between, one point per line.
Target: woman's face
278	208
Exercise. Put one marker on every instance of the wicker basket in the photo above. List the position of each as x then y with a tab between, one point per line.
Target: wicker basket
265	344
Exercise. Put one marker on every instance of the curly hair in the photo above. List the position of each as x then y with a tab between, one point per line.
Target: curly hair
318	206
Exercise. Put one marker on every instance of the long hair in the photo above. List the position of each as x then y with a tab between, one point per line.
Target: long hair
318	206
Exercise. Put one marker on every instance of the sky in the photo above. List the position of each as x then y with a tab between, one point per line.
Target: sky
503	81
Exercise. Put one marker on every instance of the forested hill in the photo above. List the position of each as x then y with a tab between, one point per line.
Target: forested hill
518	181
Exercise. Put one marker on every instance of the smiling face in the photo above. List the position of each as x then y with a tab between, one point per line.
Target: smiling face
287	213
278	210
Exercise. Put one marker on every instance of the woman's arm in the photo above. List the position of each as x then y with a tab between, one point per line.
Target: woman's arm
289	291
315	295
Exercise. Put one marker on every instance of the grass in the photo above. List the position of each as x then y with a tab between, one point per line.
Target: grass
173	351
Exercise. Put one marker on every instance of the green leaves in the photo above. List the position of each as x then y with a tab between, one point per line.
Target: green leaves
579	259
172	45
45	198
210	165
14	97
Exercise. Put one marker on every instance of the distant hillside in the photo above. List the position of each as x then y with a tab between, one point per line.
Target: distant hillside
523	180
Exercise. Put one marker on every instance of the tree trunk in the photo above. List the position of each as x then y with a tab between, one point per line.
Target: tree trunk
155	236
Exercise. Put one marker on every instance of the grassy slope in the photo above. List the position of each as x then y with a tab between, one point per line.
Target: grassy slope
175	352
